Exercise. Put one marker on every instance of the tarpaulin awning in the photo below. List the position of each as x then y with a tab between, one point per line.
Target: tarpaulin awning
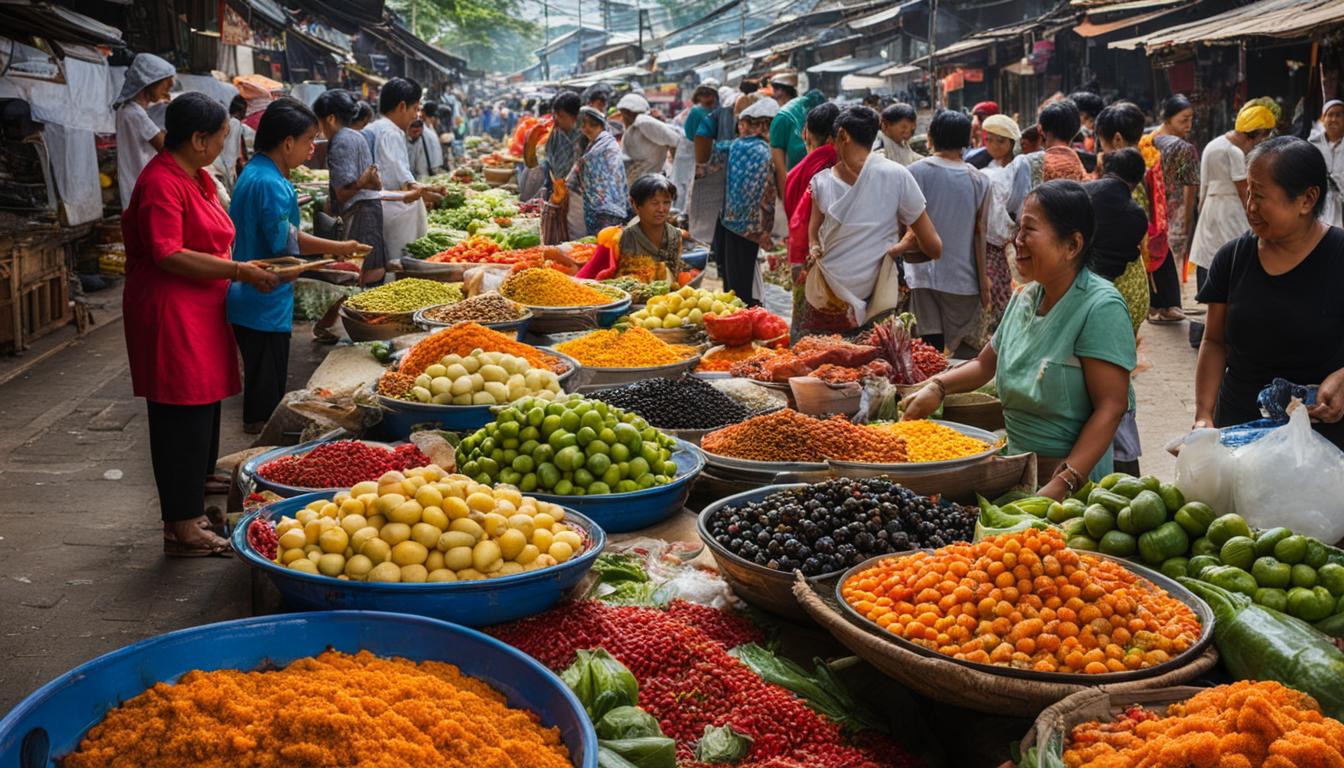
1121	6
901	70
861	82
686	52
1090	28
321	44
776	50
990	37
269	10
844	66
874	19
24	18
1267	18
349	16
424	50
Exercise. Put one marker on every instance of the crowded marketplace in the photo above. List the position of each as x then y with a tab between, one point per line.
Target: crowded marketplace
759	383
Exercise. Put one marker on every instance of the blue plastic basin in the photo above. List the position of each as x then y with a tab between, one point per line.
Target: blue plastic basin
625	512
696	259
473	603
49	723
608	317
250	467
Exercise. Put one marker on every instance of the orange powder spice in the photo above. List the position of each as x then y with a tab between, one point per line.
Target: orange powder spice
334	709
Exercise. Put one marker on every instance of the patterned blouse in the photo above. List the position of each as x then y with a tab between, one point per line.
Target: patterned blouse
601	177
749	202
1180	169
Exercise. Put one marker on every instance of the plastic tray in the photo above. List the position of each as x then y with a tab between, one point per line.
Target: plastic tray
473	603
994	442
50	722
593	378
252	465
1173	588
625	512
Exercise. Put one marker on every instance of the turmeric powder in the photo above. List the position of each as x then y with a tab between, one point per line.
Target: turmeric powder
335	709
633	348
462	338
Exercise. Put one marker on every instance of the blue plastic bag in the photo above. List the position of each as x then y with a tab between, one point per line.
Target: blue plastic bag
1273	401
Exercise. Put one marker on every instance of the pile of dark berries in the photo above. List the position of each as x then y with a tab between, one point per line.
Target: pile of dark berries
831	526
687	403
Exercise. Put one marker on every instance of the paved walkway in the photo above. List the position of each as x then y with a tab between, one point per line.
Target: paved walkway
81	570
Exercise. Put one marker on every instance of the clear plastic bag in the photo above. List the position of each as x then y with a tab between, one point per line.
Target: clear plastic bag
1206	470
1292	477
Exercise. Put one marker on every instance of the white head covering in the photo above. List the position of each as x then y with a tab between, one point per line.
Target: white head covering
763	108
633	102
145	70
1331	103
1002	125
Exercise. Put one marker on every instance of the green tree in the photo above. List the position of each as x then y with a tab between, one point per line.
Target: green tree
467	26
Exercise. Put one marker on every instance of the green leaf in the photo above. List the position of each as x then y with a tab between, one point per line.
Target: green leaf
601	683
722	745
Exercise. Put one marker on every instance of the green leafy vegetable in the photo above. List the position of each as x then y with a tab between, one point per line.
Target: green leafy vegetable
614	567
722	745
821	690
628	723
643	752
601	682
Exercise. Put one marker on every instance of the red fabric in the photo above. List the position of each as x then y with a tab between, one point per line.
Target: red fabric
253	120
1159	246
600	267
798	198
178	339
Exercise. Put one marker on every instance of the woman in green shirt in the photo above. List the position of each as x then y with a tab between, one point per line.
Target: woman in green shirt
1063	353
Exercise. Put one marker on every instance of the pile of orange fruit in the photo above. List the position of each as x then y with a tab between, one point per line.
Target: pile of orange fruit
1027	601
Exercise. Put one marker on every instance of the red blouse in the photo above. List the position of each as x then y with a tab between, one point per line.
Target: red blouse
178	339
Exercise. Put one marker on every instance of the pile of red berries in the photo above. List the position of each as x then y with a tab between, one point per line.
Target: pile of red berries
927	358
341	464
261	537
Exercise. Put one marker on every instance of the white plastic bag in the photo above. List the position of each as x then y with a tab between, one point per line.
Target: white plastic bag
1206	470
1292	477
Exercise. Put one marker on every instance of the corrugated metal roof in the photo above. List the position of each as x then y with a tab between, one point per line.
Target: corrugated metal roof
1090	28
843	66
1267	18
900	70
1118	6
983	40
682	52
873	19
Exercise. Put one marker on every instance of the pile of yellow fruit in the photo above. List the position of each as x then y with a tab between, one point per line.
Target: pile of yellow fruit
683	307
483	378
426	525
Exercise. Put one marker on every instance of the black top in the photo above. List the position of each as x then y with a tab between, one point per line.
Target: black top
1121	225
978	158
1289	326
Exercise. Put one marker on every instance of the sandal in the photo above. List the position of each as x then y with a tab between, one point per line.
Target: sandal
1168	316
214	522
173	547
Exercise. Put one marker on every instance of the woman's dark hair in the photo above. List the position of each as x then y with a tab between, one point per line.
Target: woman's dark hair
1126	164
1295	166
950	129
895	113
567	102
365	112
398	91
1060	120
749	86
285	117
1068	209
821	119
238	107
650	184
1087	102
702	91
1122	117
190	114
1175	105
1031	133
859	122
337	103
430	109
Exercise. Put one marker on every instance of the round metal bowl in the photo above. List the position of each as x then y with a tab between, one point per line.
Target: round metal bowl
517	327
593	377
768	467
50	723
625	512
251	467
992	440
473	603
361	326
686	334
1201	609
696	259
448	272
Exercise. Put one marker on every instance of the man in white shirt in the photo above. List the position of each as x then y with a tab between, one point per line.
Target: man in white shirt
404	216
139	138
648	141
429	113
1330	142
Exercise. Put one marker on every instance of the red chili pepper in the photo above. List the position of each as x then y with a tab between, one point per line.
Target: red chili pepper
340	464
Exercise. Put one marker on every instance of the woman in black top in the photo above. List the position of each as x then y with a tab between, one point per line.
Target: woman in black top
1274	296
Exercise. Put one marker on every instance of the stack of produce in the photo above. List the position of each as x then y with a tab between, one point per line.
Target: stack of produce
640	290
477	249
743	327
426	525
687	679
983	603
686	306
484	308
722	358
809	354
834	525
479	209
912	361
753	397
482	378
687	403
464	338
789	436
405	295
435	241
340	464
433	703
928	441
1260	724
548	288
571	447
633	348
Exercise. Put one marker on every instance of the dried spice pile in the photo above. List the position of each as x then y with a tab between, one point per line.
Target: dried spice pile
788	435
538	287
334	709
485	308
635	348
464	338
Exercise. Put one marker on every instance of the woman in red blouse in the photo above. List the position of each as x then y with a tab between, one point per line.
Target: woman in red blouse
182	355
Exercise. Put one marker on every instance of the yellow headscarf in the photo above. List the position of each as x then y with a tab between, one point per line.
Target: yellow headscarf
1255	117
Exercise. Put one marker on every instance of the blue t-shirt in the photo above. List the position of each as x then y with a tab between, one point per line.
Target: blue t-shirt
265	213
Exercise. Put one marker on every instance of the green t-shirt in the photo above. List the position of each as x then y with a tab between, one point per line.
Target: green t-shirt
1040	375
786	131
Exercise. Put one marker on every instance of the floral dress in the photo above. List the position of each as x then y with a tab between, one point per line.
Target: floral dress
1180	169
600	174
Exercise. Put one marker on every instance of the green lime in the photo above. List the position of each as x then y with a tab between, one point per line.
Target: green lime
586	435
564	488
583	478
569	421
611	476
529	482
597	447
548	475
598	488
523	464
597	463
619	452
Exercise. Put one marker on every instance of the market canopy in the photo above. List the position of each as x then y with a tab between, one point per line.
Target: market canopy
874	19
26	18
991	37
349	16
1093	27
269	10
1267	18
845	66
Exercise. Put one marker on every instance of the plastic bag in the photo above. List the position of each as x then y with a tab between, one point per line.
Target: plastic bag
312	298
1273	401
1206	470
1291	477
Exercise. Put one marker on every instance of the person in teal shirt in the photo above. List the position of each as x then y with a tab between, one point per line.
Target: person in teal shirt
703	101
1062	355
787	147
265	213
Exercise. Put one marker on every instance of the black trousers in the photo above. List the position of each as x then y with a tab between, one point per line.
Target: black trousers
183	447
265	371
738	266
1166	285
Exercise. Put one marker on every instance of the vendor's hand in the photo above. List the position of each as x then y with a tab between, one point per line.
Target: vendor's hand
370	179
985	297
1329	405
261	279
412	195
1056	489
349	248
898	250
431	197
1202	421
920	404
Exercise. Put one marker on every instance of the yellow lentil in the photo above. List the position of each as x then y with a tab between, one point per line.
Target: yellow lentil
541	287
635	348
927	441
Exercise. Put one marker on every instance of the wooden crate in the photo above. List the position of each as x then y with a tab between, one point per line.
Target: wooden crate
36	309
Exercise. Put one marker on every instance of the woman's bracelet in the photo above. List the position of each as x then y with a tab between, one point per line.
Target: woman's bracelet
942	389
236	267
1073	480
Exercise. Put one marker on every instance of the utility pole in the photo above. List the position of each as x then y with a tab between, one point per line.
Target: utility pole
742	25
578	57
935	95
546	47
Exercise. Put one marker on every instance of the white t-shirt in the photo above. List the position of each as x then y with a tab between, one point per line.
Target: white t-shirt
389	153
134	130
1222	217
646	143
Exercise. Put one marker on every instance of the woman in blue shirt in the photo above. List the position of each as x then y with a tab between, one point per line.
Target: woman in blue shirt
265	213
